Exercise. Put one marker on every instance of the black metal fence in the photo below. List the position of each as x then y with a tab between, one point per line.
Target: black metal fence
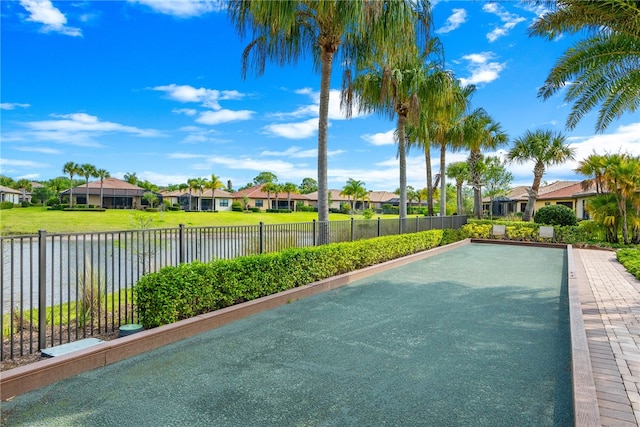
58	288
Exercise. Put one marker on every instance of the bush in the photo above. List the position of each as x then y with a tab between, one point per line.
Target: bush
152	210
345	208
176	293
53	201
303	208
236	207
255	210
555	215
367	213
278	210
25	204
6	205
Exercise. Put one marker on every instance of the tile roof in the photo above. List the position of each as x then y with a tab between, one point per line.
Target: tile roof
5	189
257	193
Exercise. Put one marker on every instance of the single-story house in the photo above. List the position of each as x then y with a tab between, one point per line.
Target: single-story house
516	200
262	200
377	199
8	194
116	194
193	200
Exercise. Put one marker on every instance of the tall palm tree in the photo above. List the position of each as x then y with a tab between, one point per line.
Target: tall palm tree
72	169
199	185
87	171
477	132
269	187
102	174
214	184
395	89
459	171
545	148
604	68
289	188
131	178
592	167
287	30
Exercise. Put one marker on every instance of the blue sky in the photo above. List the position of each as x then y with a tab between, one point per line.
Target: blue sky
154	87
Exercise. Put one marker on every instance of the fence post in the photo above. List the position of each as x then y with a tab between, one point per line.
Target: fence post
378	226
314	232
181	244
42	289
352	229
261	246
417	223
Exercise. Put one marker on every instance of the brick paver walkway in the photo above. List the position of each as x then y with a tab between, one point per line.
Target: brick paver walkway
611	311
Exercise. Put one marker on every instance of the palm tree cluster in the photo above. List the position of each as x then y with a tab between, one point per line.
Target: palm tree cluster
354	190
616	180
602	69
87	171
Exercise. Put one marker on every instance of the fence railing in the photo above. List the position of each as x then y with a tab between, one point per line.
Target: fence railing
61	287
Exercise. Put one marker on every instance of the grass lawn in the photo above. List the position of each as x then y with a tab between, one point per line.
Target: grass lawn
30	220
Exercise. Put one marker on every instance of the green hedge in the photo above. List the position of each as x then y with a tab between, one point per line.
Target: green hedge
176	293
6	205
630	259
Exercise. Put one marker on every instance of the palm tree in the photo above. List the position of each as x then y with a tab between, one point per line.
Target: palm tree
287	30
622	179
269	187
198	184
353	188
214	184
102	174
602	69
592	167
24	185
603	208
131	178
478	131
460	172
72	169
183	187
290	187
87	171
544	148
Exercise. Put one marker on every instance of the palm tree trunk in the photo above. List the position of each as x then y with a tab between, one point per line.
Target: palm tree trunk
213	200
443	181
101	194
323	117
427	159
538	172
402	155
460	203
474	158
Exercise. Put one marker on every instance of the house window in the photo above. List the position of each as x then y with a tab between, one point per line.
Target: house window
224	203
547	203
567	204
259	203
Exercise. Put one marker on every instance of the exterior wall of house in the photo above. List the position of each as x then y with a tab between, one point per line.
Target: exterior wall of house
10	197
568	202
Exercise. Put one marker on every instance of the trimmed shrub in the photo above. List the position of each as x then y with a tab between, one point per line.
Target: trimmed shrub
6	205
255	210
630	259
236	207
303	208
26	204
555	215
176	293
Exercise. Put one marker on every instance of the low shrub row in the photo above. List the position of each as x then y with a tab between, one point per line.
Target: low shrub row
630	259
176	293
6	205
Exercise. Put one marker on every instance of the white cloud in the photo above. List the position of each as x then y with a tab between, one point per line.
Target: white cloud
22	163
297	152
186	156
43	12
206	97
313	110
12	105
299	130
185	111
510	20
79	129
182	8
43	150
224	116
482	69
457	18
381	138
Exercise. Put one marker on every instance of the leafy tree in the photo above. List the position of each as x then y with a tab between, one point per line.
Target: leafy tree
544	148
72	169
151	198
308	185
42	194
496	179
286	31
478	131
7	181
214	184
604	68
102	174
460	172
264	177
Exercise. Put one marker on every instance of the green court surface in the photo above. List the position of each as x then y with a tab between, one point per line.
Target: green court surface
476	336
